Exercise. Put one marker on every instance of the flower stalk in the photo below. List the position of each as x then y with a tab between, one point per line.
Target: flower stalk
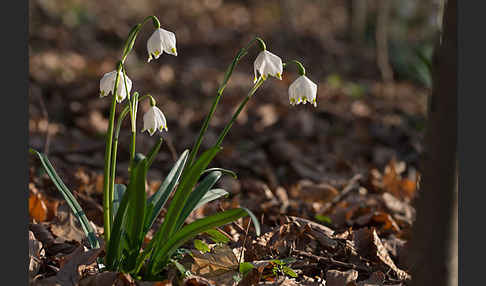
238	110
241	53
134	33
107	203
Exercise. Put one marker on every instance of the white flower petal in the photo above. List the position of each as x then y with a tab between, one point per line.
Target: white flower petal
154	120
163	121
161	41
107	85
267	64
169	42
303	90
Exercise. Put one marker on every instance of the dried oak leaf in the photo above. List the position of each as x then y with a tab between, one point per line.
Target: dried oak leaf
391	181
384	220
220	260
341	278
69	274
109	278
35	253
369	245
310	192
66	226
300	234
40	207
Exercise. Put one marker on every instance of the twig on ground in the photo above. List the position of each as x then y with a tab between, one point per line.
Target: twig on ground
332	261
244	242
352	184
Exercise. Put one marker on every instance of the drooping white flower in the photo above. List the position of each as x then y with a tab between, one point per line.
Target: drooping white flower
107	84
303	90
161	41
267	64
154	119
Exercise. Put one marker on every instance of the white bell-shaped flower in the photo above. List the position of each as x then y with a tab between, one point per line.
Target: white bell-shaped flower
107	84
161	41
154	120
267	64
303	90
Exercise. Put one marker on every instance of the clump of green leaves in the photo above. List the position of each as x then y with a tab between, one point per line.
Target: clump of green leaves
280	267
127	211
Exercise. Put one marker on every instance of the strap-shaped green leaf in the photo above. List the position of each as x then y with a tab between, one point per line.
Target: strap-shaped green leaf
190	231
224	171
210	196
117	196
69	197
116	243
199	192
217	236
253	218
181	195
136	211
157	201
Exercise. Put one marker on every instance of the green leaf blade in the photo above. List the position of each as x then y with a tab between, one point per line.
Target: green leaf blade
195	197
157	201
181	195
190	231
69	197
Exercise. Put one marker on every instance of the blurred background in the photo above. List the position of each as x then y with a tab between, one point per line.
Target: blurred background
368	57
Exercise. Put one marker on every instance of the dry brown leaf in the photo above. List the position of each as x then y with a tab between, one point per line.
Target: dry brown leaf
397	206
386	222
35	254
219	260
300	234
66	226
376	279
254	276
393	183
310	192
317	226
40	207
370	246
340	278
69	273
196	281
37	207
109	278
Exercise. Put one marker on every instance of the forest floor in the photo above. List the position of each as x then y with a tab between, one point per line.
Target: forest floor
332	186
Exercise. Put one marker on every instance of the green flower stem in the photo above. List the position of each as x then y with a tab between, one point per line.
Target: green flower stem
241	53
119	122
133	35
240	108
299	65
124	113
132	146
107	203
133	117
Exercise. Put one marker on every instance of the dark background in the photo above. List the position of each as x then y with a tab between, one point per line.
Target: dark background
359	123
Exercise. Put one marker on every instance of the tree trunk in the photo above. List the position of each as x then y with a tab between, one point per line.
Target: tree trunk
358	15
381	34
433	252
